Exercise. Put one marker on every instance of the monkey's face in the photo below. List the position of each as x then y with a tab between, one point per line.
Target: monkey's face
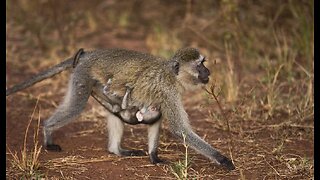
194	72
202	70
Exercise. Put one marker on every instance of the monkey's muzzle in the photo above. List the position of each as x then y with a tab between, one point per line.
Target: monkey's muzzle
204	80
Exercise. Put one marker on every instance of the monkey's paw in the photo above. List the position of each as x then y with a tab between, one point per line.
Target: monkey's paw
53	147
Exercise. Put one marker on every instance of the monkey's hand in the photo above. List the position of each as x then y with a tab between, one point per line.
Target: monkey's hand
154	159
116	108
225	162
105	90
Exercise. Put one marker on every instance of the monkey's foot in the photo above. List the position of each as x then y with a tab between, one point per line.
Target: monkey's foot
154	159
53	147
126	152
227	163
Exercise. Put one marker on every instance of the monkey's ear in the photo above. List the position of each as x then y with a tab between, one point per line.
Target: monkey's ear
175	66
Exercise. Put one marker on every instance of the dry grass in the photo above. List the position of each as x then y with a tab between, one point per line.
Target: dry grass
231	85
273	91
263	75
26	165
163	42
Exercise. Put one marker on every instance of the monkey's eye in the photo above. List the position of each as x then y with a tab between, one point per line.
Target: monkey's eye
204	60
201	61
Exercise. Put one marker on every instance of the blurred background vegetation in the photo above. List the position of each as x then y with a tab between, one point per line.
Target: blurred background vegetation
260	53
267	43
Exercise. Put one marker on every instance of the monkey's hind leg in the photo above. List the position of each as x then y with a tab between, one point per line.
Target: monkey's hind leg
153	142
74	102
115	132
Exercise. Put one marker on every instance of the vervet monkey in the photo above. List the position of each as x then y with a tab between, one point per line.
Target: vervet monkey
152	81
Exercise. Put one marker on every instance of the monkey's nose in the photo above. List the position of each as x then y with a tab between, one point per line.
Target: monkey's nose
204	80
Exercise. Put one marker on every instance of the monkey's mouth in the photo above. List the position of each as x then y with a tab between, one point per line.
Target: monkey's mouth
204	80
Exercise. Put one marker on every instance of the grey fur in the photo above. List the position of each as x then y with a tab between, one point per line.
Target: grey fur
152	82
144	114
41	76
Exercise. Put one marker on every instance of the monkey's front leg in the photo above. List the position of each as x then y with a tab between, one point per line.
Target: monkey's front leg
153	141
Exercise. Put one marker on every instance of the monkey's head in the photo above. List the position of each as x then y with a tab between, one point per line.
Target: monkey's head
189	66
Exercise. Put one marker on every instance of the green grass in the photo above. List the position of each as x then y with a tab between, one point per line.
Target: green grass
180	168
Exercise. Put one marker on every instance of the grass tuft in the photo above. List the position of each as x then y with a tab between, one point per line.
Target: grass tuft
180	168
27	162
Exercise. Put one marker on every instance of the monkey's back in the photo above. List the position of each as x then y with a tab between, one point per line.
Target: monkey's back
145	73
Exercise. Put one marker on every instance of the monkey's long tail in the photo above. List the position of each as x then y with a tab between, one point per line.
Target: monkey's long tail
41	76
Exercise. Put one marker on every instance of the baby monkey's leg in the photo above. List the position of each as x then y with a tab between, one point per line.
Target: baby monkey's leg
105	88
126	97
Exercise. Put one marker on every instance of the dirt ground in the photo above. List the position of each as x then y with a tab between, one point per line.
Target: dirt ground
257	149
262	145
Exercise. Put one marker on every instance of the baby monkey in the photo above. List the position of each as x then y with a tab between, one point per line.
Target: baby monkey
129	112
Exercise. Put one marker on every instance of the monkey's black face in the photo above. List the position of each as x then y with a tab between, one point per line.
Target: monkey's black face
203	72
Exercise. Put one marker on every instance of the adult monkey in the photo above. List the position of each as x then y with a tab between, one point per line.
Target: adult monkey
152	82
